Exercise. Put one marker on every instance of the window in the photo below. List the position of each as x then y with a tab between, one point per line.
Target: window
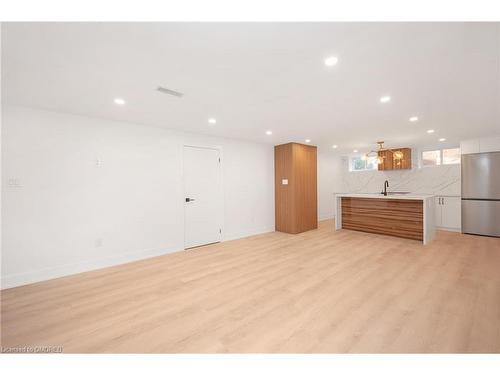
441	157
451	156
431	158
358	163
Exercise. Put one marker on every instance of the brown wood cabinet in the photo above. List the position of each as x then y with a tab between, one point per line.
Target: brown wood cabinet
296	199
386	161
389	162
396	217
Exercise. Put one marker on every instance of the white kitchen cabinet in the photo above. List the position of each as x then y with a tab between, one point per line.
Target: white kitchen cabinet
449	213
469	147
474	146
489	144
438	211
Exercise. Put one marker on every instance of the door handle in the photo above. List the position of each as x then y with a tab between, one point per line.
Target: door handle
189	199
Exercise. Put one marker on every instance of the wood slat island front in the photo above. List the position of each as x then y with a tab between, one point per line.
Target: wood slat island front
407	217
396	217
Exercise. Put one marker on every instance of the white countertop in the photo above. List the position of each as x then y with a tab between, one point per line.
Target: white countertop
381	196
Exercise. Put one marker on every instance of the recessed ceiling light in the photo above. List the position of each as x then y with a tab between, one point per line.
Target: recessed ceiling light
354	150
430	131
308	140
331	61
413	119
385	99
119	101
442	139
212	121
335	146
269	132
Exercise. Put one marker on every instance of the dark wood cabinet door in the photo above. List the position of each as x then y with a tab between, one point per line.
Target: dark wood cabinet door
387	163
405	161
390	162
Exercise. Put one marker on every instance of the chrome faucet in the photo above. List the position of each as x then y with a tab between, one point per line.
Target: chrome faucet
386	185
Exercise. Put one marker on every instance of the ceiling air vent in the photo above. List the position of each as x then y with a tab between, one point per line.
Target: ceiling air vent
170	92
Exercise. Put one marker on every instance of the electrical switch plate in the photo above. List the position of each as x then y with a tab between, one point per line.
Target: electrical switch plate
14	183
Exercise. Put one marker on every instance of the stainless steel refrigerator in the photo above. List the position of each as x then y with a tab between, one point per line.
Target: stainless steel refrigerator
481	194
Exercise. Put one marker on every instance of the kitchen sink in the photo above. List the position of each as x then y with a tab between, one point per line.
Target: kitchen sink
397	192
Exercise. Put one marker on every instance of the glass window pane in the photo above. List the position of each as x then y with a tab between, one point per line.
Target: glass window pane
371	163
451	156
358	164
431	158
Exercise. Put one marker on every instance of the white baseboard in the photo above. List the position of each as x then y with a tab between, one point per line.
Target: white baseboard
12	281
253	232
326	217
458	230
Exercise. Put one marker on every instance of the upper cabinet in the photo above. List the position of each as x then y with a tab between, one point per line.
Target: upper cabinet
489	144
386	163
394	159
474	146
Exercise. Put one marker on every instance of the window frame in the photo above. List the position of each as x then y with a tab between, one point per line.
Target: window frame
357	156
441	157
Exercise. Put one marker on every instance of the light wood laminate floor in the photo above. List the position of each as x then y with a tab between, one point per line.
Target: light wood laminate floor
320	291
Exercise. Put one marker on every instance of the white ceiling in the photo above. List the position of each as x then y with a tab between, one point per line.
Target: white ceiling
254	77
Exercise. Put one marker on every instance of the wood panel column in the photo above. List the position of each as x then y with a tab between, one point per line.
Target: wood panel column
296	197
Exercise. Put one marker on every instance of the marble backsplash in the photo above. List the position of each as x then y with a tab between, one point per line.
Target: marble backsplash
439	180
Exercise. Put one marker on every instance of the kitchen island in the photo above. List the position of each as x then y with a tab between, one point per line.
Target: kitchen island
401	215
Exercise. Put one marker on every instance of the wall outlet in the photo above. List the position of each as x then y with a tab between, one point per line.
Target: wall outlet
98	242
284	181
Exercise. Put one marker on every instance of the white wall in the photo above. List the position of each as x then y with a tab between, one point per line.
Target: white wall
58	203
437	180
329	181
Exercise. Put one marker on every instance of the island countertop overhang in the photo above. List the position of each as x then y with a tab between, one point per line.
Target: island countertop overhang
382	196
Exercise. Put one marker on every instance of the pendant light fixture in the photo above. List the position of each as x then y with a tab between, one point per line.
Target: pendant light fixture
397	155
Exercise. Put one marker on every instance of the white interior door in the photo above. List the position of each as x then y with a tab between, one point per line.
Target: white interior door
203	196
